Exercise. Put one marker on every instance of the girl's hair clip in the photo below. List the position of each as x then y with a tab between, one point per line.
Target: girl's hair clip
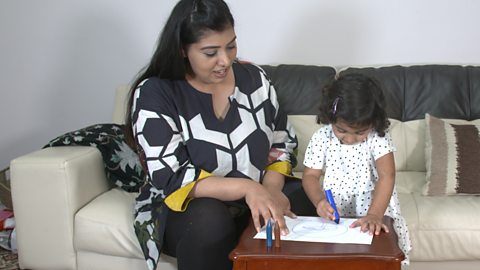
194	6
334	106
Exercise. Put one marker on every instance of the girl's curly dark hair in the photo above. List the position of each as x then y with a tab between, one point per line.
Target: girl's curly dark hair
356	99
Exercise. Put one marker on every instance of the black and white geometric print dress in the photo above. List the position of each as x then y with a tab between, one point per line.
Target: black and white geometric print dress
183	141
350	172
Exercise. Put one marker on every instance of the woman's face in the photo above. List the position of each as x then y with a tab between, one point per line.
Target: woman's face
212	56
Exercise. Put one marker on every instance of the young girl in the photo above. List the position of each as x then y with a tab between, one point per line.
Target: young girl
354	151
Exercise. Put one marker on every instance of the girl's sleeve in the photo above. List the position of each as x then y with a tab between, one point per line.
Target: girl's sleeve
157	130
282	156
315	151
382	145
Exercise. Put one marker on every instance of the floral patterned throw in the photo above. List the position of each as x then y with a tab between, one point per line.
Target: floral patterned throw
122	165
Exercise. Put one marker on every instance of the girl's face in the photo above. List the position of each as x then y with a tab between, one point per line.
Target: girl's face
348	134
212	56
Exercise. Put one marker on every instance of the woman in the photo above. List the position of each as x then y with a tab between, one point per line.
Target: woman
212	138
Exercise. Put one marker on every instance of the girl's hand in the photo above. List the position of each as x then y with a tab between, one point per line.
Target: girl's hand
371	223
325	210
263	205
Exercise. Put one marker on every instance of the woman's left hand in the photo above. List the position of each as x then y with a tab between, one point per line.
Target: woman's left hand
371	223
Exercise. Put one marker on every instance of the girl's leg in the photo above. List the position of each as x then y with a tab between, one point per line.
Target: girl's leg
203	235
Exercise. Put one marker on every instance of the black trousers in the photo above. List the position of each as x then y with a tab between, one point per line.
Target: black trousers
203	235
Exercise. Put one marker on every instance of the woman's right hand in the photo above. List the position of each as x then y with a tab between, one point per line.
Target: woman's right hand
263	205
261	202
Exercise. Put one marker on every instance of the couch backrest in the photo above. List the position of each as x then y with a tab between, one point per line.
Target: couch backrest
299	92
445	91
120	106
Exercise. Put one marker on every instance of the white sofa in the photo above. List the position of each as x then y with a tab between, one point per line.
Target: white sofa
68	217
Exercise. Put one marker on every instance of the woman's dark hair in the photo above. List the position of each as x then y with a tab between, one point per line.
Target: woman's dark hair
188	22
356	99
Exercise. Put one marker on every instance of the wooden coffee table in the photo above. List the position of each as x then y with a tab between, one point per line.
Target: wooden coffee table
252	254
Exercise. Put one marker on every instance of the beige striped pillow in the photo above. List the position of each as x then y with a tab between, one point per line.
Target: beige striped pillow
452	152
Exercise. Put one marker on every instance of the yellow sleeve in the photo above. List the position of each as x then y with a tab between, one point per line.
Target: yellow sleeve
283	167
178	200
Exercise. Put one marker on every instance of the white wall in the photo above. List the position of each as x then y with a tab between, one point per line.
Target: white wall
60	61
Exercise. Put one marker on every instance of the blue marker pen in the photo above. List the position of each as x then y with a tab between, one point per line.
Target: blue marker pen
269	233
331	201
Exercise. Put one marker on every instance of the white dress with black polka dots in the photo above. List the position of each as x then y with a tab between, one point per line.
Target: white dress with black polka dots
351	174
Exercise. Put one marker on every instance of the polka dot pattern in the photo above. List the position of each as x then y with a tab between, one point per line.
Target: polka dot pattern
350	172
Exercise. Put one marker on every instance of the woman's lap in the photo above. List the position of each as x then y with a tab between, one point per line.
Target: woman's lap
203	235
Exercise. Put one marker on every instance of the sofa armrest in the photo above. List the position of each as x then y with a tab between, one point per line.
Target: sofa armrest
49	186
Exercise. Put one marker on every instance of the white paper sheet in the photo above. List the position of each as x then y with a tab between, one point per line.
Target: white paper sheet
317	229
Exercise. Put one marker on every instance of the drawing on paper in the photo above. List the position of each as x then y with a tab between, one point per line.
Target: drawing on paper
319	229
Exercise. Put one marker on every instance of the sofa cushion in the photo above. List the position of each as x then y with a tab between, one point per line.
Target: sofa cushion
304	126
105	225
442	228
409	181
409	139
412	91
451	151
299	87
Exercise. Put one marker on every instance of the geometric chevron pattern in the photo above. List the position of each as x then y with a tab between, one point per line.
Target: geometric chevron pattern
176	126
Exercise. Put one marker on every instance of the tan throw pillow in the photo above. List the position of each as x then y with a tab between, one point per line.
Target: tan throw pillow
452	152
